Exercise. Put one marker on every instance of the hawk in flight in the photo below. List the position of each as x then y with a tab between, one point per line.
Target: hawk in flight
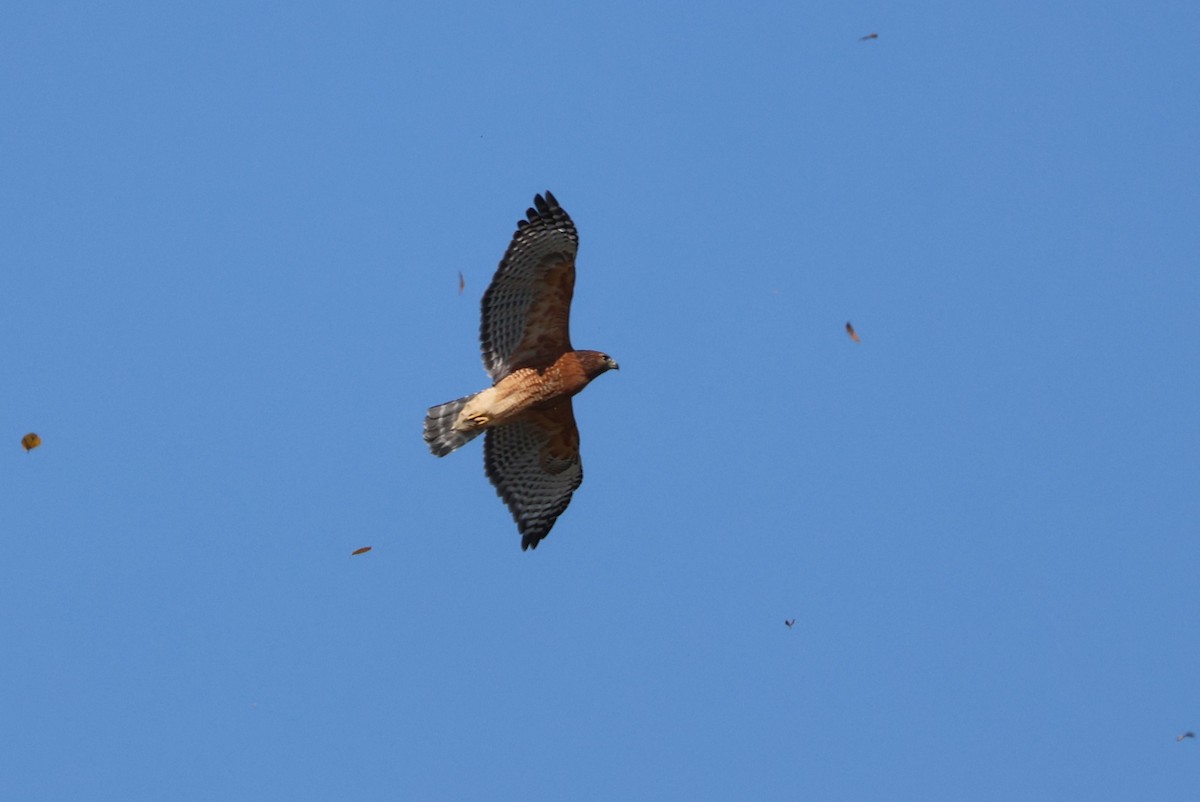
531	447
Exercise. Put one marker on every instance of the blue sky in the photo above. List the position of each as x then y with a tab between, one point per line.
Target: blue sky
231	241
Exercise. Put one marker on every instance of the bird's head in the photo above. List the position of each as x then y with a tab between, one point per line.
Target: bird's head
595	363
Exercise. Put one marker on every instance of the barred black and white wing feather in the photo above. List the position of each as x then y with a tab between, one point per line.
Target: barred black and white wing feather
534	464
527	307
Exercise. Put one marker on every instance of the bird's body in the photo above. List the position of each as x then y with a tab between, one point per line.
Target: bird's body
453	424
531	452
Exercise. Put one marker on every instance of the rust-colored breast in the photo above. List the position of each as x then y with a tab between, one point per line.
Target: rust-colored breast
570	373
533	388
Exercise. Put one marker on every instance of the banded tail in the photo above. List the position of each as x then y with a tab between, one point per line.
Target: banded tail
440	433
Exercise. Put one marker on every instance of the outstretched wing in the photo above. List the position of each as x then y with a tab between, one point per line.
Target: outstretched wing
527	307
534	464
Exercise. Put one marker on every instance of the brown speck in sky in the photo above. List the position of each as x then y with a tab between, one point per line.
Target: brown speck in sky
31	441
363	550
853	334
462	283
871	35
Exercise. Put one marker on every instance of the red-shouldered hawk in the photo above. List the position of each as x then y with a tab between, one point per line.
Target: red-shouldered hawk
531	452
